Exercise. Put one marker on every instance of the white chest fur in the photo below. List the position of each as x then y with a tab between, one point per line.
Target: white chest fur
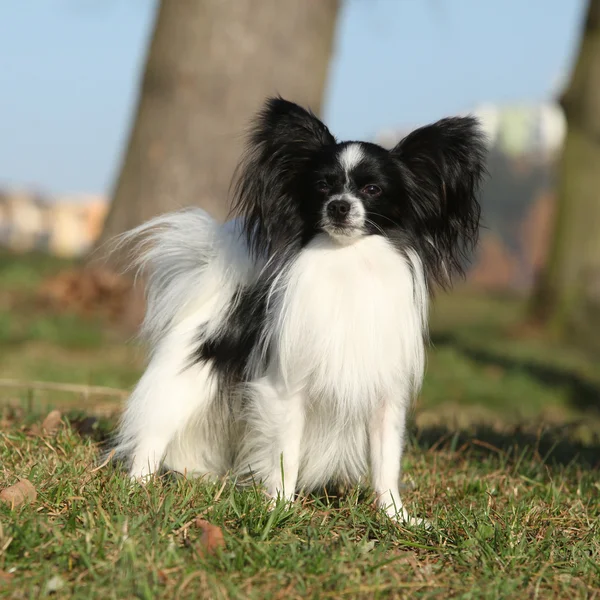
349	322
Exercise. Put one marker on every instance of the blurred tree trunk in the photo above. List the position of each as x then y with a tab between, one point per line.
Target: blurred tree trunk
567	298
210	65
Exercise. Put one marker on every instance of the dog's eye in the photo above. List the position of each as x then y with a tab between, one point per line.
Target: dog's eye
322	186
371	190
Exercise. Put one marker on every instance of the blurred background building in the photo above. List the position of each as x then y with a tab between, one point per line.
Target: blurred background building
66	226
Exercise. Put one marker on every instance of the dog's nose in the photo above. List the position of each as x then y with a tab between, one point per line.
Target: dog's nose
338	209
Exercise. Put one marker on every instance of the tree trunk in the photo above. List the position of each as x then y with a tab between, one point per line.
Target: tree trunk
567	298
210	66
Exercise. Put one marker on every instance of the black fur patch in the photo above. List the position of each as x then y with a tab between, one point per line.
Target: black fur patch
230	349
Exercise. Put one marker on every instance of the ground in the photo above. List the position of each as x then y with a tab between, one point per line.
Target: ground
503	461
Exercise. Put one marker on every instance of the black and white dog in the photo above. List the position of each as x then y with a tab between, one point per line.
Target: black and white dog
289	342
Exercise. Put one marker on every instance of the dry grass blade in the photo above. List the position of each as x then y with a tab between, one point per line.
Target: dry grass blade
104	462
86	390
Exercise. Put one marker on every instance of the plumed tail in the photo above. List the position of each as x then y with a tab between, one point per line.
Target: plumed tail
186	259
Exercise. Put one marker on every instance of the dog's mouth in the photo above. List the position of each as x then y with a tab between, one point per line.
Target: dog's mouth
343	232
343	219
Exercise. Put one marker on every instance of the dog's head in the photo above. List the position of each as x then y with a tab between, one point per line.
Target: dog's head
297	181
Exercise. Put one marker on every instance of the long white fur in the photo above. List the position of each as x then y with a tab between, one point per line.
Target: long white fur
345	330
194	267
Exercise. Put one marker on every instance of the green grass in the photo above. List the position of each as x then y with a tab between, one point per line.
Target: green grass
503	462
503	525
38	343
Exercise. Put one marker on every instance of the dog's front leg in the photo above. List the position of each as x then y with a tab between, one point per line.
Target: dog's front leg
386	439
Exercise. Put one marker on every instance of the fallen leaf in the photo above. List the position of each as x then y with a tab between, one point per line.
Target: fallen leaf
87	290
54	584
4	576
17	494
211	538
366	547
163	575
35	429
52	422
163	578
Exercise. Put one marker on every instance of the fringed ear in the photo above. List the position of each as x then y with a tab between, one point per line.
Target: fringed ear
282	141
444	164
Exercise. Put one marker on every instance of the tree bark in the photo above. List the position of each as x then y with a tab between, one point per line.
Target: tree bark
210	65
567	298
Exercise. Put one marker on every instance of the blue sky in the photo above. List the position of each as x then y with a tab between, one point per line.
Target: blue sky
69	71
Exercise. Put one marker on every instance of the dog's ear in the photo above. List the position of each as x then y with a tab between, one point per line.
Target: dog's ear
289	129
443	165
283	139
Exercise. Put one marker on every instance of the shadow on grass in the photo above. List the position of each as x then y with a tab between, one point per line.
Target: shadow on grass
583	394
552	446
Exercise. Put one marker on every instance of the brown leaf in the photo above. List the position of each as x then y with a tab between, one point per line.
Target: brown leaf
87	290
163	578
211	538
52	422
17	494
35	429
4	576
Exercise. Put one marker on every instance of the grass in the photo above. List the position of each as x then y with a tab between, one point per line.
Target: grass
39	343
503	461
504	525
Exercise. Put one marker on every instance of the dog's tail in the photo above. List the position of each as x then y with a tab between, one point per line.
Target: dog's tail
187	261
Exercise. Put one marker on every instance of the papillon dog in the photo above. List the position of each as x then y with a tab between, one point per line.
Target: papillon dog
288	344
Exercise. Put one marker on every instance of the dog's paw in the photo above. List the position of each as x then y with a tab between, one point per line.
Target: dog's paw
405	519
271	502
275	499
141	477
136	480
401	517
416	522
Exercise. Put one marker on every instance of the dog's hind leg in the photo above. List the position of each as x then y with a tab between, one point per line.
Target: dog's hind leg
167	398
